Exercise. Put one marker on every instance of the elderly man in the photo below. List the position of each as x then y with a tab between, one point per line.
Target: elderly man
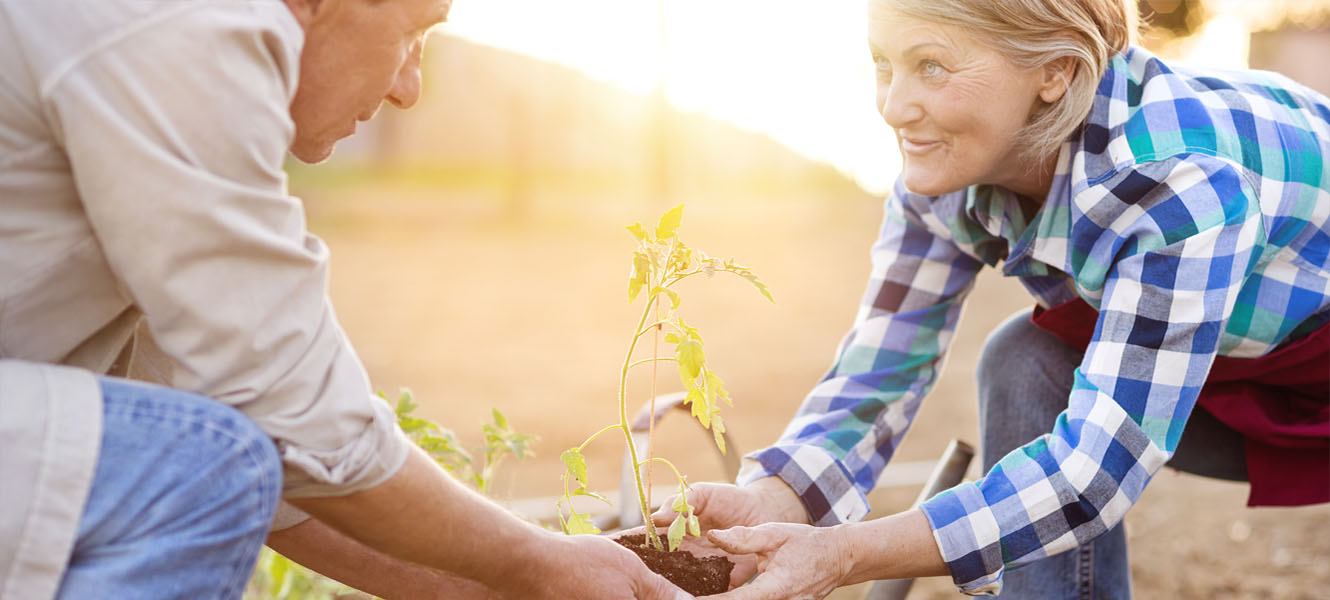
143	211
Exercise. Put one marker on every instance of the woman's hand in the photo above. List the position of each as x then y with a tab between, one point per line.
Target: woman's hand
798	562
722	506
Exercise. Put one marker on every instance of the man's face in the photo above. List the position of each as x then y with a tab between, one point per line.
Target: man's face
357	54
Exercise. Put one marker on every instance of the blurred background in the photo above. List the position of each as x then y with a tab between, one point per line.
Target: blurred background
481	260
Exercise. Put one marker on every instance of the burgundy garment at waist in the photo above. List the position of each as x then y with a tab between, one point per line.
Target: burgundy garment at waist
1279	402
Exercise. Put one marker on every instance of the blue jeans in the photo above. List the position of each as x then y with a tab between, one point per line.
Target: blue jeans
1025	377
181	501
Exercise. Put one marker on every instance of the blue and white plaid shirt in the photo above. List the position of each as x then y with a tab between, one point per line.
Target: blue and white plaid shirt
1192	210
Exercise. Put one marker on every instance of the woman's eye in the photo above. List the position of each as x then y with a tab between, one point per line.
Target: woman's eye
883	66
930	69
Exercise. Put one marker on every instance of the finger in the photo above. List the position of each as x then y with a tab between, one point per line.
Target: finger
664	515
743	540
745	567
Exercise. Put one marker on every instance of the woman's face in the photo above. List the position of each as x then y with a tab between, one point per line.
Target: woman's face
955	104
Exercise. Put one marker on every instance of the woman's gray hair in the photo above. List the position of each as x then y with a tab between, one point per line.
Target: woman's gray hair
1034	33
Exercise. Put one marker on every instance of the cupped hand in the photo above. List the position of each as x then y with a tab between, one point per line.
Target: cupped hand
795	562
722	506
594	568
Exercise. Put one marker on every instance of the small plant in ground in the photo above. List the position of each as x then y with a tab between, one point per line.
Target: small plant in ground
278	578
660	262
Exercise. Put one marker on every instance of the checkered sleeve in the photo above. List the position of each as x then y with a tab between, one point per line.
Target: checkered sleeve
841	438
1176	239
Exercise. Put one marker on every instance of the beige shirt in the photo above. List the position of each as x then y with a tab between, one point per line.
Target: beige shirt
141	151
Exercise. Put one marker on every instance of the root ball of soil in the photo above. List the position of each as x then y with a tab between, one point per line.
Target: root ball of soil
698	576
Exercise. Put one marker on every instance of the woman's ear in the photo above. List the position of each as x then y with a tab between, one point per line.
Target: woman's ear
1056	78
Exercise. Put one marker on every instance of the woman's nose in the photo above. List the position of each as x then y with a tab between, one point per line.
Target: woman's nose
897	104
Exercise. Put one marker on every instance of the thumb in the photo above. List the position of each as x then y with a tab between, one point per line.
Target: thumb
742	540
665	514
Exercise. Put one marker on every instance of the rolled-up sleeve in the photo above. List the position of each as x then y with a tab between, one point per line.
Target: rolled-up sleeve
177	133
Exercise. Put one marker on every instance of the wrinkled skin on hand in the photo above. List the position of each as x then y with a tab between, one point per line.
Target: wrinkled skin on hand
722	506
796	562
591	566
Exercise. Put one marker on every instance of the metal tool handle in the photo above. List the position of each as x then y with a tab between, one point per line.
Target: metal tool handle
949	472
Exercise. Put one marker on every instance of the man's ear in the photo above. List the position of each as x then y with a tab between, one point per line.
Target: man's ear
1056	78
304	10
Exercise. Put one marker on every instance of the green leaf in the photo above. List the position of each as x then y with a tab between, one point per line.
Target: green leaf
674	296
718	431
669	223
701	410
580	523
500	420
671	338
641	267
717	387
638	231
680	504
576	463
280	573
694	527
677	530
690	355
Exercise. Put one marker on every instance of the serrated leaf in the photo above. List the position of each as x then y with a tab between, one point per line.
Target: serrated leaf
690	355
701	410
694	527
641	267
638	231
580	523
671	338
669	223
576	463
674	296
677	529
718	431
716	386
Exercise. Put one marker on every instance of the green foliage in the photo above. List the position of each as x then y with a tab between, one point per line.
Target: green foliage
278	578
660	261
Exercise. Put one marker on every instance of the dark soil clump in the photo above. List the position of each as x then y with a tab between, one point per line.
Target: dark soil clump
698	576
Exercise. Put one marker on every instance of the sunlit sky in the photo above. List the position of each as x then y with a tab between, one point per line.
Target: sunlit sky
797	71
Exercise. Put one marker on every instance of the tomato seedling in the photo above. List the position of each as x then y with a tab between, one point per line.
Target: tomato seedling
660	262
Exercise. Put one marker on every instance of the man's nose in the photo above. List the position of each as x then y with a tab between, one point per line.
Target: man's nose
406	88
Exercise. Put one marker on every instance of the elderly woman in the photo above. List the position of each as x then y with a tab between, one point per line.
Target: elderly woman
1171	226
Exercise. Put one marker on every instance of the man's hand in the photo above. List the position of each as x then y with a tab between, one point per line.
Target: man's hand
799	562
721	506
591	566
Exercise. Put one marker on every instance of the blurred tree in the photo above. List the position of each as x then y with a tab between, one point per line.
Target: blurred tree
1176	18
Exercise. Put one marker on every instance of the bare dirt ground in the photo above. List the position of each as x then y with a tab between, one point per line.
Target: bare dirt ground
474	309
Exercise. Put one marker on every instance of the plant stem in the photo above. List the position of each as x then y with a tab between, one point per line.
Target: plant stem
653	359
627	430
651	420
596	435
